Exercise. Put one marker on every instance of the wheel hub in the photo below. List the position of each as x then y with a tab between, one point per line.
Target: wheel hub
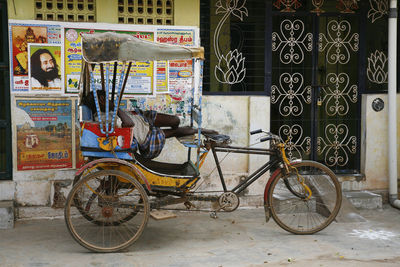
107	211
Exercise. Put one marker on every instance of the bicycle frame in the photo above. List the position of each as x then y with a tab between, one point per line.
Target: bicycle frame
273	162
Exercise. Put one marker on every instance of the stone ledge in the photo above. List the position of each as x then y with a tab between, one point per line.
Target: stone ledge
364	199
6	214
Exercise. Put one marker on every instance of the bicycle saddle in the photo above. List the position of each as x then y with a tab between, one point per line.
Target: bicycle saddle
219	139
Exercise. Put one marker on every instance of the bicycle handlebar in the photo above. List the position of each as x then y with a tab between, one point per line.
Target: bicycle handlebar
266	139
256	131
270	136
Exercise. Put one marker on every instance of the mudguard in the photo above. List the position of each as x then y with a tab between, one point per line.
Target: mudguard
127	166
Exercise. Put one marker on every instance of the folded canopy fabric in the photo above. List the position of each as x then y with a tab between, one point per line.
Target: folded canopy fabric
110	46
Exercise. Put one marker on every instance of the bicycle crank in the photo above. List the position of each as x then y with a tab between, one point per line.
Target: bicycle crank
228	201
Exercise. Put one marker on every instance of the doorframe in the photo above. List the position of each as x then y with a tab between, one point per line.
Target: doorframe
5	66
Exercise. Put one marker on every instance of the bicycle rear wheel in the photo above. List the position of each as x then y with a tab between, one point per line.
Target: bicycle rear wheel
117	196
308	208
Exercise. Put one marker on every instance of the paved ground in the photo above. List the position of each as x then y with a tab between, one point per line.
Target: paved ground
241	238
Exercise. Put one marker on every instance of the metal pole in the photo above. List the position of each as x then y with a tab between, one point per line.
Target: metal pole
392	104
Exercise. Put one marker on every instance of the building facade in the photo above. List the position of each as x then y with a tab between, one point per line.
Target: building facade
314	72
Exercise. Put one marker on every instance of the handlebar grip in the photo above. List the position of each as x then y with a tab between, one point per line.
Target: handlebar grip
256	131
266	139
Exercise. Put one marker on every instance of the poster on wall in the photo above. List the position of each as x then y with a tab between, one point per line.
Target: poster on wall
44	133
180	78
140	79
174	37
44	63
21	36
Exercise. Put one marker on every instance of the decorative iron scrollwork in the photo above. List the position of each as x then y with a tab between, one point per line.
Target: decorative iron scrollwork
291	94
338	42
296	144
377	68
291	41
337	145
230	68
336	96
379	8
318	5
347	6
287	4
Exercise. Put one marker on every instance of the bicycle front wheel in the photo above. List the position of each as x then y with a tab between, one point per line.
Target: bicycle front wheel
307	199
99	207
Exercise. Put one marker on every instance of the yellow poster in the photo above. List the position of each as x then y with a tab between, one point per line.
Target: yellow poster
140	79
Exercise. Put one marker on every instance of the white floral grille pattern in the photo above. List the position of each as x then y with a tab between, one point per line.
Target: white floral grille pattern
379	8
337	145
337	95
338	42
292	42
291	94
230	68
377	68
296	144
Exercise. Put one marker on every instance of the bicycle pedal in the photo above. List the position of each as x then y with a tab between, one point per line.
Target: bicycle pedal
162	214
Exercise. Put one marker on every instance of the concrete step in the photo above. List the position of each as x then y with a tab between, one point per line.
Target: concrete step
364	199
6	214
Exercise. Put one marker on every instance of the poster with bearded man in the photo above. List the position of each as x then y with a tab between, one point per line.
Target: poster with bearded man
44	67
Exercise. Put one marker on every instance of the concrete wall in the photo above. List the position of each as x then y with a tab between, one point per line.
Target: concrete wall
374	161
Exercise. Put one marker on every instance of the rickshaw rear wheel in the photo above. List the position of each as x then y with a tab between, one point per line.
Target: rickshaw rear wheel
113	203
93	198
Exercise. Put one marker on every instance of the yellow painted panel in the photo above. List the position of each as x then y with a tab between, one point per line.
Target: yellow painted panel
107	11
187	13
21	9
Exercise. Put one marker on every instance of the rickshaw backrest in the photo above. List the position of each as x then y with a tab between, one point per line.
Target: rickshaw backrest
86	113
93	143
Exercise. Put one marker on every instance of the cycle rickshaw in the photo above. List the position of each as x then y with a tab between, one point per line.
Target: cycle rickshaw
108	207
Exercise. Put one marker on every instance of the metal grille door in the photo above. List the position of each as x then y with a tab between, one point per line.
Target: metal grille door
314	88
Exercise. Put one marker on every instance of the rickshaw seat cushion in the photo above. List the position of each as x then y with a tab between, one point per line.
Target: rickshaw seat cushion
90	147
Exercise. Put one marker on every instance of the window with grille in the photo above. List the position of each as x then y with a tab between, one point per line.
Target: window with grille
234	42
66	10
151	12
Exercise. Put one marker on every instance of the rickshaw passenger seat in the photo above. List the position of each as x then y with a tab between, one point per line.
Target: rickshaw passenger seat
86	113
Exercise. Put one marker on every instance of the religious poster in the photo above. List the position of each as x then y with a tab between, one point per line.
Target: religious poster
44	64
21	35
44	133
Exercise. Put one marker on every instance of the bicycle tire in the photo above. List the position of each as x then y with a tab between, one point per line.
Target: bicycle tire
300	215
107	236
